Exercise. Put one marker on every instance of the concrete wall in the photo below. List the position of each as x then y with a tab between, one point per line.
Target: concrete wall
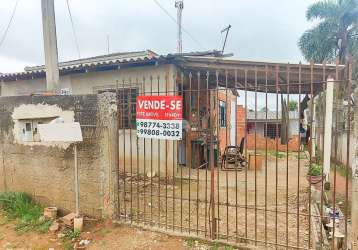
47	172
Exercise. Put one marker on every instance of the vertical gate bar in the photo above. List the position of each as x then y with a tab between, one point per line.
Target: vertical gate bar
144	167
335	102
226	144
130	146
310	153
212	225
158	140
218	148
181	168
322	171
236	131
137	162
276	155
175	76
166	164
124	152
349	90
118	170
206	153
246	142
255	152
299	154
266	143
197	172
287	135
151	163
191	146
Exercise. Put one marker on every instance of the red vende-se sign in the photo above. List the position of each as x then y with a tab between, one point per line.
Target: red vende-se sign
159	117
159	107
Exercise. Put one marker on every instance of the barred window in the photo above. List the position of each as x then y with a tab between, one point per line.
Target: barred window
127	108
271	131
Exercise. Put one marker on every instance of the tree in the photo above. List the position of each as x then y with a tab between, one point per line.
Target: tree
335	35
292	105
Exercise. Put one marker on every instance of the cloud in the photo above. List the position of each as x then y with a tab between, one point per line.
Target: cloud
262	30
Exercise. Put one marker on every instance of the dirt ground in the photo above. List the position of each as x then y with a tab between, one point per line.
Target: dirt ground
241	199
100	235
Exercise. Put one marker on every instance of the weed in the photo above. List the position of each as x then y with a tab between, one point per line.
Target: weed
190	242
279	155
215	246
67	245
21	207
72	234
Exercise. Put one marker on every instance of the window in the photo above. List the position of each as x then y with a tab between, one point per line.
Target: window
271	131
127	108
222	114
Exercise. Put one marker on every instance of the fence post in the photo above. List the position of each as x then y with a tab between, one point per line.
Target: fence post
107	115
328	125
354	213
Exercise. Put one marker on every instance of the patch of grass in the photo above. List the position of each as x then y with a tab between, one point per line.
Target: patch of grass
215	246
72	234
190	242
21	207
67	245
278	154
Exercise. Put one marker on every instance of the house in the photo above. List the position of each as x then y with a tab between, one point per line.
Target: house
265	127
207	81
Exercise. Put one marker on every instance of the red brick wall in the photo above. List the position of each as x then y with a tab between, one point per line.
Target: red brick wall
293	144
240	123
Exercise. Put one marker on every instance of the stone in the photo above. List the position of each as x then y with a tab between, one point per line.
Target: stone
54	227
61	235
68	219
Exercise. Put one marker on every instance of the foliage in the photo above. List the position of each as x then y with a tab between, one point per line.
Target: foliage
292	105
72	234
315	170
335	35
21	207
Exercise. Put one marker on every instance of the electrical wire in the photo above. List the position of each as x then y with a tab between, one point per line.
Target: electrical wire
175	21
73	29
9	24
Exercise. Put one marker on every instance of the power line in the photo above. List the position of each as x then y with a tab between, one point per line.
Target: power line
73	29
9	24
175	21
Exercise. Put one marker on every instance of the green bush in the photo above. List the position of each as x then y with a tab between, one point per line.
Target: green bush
315	170
21	207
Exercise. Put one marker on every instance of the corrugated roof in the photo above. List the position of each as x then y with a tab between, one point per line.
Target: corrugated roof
271	115
103	60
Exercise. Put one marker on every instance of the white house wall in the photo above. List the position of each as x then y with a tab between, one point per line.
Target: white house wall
87	83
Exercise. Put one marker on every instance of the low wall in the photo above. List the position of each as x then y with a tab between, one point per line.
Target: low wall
47	171
293	144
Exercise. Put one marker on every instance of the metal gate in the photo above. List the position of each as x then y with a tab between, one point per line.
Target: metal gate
248	185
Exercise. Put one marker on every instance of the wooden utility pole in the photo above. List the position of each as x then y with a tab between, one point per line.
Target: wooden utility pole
50	46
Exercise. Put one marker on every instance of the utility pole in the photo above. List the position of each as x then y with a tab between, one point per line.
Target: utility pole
50	46
179	4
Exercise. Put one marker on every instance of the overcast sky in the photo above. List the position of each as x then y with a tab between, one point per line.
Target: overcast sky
264	30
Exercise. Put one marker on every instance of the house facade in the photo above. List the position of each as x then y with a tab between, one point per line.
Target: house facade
207	81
